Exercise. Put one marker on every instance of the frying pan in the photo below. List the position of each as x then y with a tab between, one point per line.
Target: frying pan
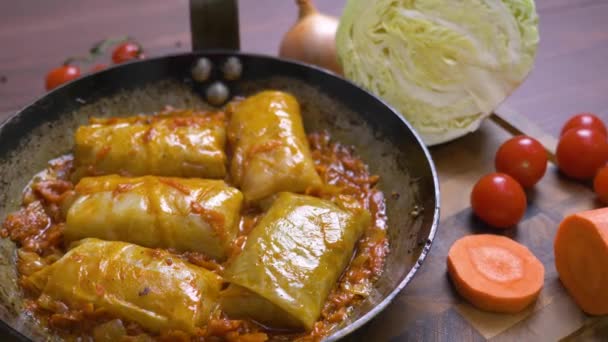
385	141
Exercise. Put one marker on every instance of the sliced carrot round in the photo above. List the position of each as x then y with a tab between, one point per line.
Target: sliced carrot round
495	273
581	259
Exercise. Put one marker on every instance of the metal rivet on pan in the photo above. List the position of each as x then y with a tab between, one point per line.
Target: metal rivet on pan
201	70
232	69
217	93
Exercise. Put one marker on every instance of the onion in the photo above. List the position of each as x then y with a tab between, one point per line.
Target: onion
110	331
312	39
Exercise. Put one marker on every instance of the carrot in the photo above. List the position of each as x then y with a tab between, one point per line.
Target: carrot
495	273
581	259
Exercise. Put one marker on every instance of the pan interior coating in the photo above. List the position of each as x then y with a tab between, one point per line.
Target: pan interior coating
385	157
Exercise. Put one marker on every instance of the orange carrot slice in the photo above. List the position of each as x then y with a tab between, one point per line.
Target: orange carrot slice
581	259
495	273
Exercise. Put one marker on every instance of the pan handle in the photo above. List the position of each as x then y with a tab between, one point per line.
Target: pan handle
214	24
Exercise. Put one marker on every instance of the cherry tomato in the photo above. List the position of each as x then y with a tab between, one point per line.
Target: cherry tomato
98	67
126	52
585	120
522	158
498	200
581	152
61	75
600	184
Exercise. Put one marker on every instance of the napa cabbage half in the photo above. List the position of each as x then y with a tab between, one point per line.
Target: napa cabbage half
444	64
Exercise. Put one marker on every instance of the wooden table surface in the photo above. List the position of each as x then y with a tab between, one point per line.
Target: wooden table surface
570	73
36	36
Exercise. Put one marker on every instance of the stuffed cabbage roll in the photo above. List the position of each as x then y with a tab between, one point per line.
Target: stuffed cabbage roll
147	286
178	144
292	259
187	214
270	149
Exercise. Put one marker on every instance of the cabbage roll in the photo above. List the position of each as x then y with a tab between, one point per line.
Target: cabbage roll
270	149
178	144
186	214
292	259
151	287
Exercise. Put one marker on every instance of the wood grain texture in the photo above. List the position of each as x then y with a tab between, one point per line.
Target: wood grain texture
429	309
569	76
35	36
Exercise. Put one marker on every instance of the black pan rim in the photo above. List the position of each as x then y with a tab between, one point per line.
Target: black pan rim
353	326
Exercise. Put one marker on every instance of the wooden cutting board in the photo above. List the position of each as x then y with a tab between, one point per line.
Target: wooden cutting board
429	309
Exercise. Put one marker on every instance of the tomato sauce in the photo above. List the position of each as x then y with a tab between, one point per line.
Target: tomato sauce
37	229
